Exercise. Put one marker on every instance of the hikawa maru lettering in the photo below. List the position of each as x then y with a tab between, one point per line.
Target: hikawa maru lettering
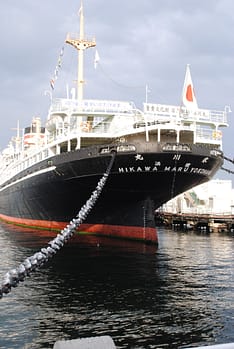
183	169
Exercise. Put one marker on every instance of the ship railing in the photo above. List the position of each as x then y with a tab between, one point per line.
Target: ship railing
102	129
171	207
91	124
76	37
162	111
122	124
26	159
73	106
208	135
23	160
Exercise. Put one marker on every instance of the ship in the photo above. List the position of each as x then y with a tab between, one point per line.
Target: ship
158	152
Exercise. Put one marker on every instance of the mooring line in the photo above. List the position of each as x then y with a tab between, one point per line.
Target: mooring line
30	264
228	159
227	169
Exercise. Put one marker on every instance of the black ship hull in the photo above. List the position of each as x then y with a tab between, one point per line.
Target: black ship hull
50	193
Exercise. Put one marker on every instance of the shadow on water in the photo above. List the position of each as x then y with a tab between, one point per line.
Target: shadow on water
177	295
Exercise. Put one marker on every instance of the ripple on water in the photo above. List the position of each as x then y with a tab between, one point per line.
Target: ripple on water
179	295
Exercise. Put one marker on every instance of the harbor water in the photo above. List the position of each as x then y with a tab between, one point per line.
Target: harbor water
178	295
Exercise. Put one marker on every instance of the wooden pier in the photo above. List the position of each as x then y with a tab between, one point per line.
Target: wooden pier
215	223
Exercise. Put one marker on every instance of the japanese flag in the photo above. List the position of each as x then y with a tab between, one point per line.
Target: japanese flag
188	97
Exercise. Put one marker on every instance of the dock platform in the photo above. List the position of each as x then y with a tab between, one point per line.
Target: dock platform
199	222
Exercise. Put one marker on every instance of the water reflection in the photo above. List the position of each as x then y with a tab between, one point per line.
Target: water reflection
177	295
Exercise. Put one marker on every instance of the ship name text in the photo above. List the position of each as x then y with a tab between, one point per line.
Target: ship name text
181	169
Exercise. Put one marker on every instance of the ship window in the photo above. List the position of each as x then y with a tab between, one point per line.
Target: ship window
176	147
126	148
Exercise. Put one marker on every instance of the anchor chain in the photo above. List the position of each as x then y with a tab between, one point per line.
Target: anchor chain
30	264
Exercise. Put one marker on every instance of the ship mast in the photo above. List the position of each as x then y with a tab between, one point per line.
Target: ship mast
81	44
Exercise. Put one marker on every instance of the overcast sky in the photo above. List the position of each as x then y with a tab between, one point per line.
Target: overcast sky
139	42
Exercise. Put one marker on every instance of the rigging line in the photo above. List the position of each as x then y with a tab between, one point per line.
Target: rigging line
228	159
227	170
33	263
116	82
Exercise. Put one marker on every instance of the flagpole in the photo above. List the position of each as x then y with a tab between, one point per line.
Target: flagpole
145	117
146	93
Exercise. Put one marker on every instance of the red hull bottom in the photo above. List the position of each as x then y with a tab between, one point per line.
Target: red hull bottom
144	234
